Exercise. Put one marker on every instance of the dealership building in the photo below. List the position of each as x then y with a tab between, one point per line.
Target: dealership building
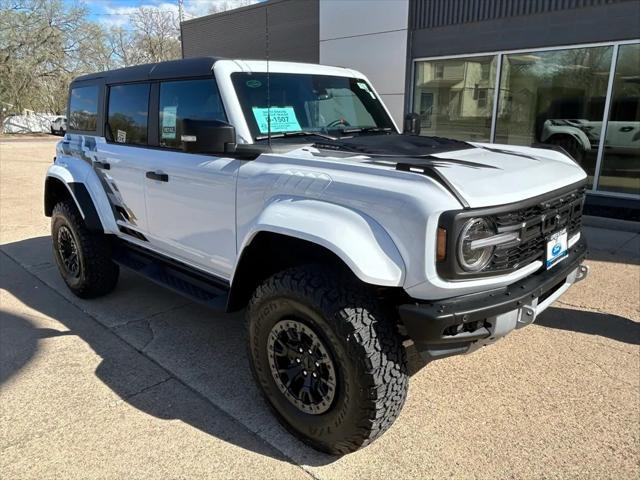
521	72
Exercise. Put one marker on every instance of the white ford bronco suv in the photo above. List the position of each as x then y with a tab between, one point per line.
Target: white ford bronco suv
287	189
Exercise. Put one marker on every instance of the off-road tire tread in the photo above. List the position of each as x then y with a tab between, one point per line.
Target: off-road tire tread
100	271
356	313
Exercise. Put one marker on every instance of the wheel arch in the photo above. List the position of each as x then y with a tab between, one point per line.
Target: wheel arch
85	187
57	190
566	131
294	232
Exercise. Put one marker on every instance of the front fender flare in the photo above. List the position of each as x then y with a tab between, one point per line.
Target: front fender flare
358	240
574	132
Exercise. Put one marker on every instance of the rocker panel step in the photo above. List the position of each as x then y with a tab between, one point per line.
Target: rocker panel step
172	274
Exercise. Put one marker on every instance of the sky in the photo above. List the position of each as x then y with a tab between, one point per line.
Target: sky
117	12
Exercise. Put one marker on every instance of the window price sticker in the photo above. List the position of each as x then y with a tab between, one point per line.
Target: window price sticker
169	122
283	119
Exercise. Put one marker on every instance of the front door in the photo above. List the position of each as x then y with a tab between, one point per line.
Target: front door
191	198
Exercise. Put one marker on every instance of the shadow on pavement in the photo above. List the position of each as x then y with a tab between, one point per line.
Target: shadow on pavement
614	257
134	376
149	362
19	342
592	323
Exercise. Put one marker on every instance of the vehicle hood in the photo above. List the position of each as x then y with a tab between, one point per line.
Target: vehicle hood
478	174
490	174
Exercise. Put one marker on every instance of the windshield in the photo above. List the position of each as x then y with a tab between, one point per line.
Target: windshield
308	103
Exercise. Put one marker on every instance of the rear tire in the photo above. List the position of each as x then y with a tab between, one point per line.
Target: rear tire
360	346
83	257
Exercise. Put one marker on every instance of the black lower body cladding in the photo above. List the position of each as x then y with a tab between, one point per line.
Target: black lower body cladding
431	324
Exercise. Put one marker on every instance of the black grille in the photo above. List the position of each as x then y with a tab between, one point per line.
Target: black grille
535	224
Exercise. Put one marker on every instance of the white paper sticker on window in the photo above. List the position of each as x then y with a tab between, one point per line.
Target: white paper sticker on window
283	119
169	122
121	136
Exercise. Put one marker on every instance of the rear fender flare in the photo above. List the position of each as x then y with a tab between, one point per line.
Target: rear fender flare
87	192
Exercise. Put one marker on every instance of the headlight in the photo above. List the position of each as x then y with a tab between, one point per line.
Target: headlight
476	258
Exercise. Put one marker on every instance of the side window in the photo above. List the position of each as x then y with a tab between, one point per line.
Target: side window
187	99
83	108
128	113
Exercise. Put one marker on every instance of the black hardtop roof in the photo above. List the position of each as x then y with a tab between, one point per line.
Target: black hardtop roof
186	67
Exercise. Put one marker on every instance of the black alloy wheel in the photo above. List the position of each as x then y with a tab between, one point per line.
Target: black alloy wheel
301	366
68	252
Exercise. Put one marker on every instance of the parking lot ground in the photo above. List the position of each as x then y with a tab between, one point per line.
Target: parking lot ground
144	384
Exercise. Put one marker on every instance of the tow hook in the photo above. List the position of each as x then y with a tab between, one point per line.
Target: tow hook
581	274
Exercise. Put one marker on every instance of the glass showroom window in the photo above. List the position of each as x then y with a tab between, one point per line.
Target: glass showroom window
454	97
555	97
620	167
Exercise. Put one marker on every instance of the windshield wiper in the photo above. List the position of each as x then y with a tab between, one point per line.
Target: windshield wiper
295	134
366	130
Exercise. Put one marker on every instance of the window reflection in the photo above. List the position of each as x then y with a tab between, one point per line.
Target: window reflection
187	99
620	169
454	98
83	108
555	97
128	112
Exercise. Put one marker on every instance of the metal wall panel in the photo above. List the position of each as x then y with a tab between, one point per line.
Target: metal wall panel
476	26
439	13
241	33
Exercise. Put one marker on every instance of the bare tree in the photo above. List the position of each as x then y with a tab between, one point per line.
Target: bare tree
44	44
156	34
123	46
39	40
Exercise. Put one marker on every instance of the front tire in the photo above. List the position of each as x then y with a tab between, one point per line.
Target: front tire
83	257
327	357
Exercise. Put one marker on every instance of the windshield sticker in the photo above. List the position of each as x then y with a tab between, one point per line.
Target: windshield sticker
283	119
365	87
169	122
254	83
121	136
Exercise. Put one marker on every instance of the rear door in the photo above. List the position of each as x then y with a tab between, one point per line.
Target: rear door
190	198
123	160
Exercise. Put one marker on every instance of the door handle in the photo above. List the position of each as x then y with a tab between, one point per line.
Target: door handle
102	165
161	177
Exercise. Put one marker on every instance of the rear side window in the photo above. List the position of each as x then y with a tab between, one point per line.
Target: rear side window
83	108
128	113
187	99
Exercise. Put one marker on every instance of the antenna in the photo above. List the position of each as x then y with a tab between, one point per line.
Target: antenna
266	17
180	11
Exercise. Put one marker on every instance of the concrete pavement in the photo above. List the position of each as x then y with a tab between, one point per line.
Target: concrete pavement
145	384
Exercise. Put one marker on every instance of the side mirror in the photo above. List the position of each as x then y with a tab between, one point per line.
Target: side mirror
412	124
207	136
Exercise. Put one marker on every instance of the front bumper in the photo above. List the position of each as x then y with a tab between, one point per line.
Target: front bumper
463	324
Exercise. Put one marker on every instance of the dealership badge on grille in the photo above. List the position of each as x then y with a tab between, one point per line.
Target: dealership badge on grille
557	248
